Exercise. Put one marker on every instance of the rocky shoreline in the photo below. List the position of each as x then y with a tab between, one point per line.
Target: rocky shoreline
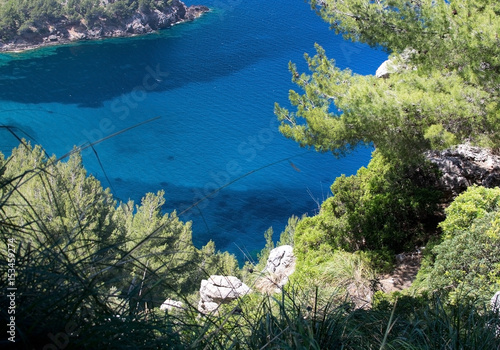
140	23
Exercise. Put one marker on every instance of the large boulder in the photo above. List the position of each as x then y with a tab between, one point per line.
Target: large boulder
280	265
281	260
219	290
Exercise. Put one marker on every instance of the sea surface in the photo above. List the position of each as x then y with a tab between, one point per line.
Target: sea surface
207	89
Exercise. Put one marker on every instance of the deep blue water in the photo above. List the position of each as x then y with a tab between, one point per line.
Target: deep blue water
213	83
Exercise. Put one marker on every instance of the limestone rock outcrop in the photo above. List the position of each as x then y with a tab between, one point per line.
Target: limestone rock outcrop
281	260
280	265
219	290
464	166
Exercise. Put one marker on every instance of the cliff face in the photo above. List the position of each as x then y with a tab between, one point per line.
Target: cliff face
63	31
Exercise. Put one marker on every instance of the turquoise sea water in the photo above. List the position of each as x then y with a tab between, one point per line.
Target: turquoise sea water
213	84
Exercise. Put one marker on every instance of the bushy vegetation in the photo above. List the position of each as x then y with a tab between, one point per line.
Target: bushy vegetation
294	320
82	258
385	209
25	16
91	273
441	91
466	263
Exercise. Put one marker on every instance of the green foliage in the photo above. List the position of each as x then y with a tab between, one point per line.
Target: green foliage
380	208
473	204
298	320
428	322
18	17
146	5
264	253
81	258
439	138
384	209
122	9
447	54
351	275
287	236
467	262
217	263
9	19
401	302
60	199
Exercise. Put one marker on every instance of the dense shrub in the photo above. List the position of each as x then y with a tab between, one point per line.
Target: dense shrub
467	261
382	207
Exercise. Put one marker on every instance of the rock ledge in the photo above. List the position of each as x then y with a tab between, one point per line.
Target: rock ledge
464	166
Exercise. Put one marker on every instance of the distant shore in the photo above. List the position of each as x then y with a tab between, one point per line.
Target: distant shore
63	32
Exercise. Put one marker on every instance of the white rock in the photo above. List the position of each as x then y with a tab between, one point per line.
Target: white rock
170	304
495	302
280	259
280	265
220	290
386	69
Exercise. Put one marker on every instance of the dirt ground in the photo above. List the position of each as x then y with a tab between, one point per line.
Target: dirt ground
404	273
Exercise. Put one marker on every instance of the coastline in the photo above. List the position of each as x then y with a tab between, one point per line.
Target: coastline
62	32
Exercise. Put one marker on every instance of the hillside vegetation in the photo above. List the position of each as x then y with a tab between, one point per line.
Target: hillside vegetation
90	272
19	17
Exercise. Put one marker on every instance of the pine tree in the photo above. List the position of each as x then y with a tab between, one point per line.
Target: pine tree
444	88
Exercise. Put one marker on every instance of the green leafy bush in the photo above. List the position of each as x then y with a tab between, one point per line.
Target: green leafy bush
382	207
475	203
467	261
